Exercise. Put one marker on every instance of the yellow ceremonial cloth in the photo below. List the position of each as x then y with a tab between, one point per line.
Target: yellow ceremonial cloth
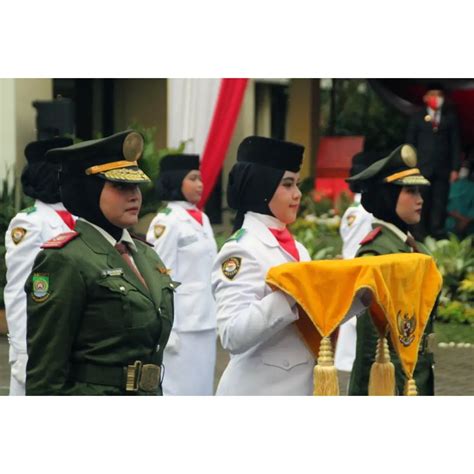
404	289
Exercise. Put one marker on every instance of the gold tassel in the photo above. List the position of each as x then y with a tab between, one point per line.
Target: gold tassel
410	388
382	372
325	373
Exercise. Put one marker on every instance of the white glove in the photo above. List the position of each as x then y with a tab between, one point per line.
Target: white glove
18	368
173	345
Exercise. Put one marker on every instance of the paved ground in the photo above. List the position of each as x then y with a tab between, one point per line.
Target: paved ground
454	370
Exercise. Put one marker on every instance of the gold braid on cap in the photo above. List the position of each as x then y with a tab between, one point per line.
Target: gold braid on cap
110	166
401	174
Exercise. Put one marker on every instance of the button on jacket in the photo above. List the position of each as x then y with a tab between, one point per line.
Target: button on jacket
267	354
94	315
36	225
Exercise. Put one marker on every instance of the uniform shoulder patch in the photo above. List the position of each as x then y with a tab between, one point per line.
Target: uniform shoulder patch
237	235
371	236
29	210
350	219
60	240
231	266
158	230
17	234
167	210
40	287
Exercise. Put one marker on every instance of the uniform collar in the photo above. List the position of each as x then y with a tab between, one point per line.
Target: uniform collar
126	237
55	206
184	204
181	208
257	224
401	235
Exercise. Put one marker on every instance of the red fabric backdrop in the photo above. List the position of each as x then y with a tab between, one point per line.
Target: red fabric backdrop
227	109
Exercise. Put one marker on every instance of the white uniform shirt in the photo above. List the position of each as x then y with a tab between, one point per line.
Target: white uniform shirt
267	354
356	223
38	226
188	250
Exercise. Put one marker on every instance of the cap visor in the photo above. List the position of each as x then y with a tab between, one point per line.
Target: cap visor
415	180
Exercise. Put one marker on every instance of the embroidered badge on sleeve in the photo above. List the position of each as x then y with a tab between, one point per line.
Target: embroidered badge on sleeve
231	266
159	230
17	234
40	287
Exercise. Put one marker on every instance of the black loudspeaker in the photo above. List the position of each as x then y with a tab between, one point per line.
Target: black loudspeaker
54	118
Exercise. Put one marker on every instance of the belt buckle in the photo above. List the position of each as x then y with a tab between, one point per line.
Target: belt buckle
149	378
133	376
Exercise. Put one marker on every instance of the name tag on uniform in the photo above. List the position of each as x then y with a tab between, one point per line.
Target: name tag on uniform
187	240
112	272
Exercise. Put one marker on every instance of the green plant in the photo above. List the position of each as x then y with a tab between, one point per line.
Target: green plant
455	260
322	241
456	312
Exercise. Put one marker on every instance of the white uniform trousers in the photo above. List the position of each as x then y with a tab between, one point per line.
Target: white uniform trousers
189	366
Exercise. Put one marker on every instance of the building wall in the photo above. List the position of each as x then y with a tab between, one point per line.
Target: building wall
18	122
7	131
143	101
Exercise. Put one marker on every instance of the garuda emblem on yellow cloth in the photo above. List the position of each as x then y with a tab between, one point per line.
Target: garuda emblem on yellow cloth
406	328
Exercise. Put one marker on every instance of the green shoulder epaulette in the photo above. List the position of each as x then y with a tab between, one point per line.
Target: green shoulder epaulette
29	210
237	235
166	210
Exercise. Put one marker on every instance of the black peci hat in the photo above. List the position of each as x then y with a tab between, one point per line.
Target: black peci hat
277	154
35	151
179	162
113	158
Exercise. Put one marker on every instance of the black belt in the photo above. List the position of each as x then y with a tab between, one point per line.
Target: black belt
132	378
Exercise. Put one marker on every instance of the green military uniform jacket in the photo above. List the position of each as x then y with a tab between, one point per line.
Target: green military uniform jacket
387	241
89	316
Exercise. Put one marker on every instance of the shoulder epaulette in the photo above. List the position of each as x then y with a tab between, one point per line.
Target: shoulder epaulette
371	236
60	240
237	235
29	210
141	239
166	210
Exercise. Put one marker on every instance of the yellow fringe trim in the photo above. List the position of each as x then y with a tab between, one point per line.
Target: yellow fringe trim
382	372
325	373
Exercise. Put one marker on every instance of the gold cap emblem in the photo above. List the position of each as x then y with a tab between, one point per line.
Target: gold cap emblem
408	155
132	148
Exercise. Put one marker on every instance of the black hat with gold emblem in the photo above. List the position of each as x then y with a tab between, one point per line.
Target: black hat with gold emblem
86	167
113	158
398	168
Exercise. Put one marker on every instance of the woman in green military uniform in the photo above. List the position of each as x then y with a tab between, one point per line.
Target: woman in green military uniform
100	303
391	192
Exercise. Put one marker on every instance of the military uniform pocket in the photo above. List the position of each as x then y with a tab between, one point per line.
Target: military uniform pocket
111	306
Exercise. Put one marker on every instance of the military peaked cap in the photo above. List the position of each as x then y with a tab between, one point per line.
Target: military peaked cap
397	168
113	158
